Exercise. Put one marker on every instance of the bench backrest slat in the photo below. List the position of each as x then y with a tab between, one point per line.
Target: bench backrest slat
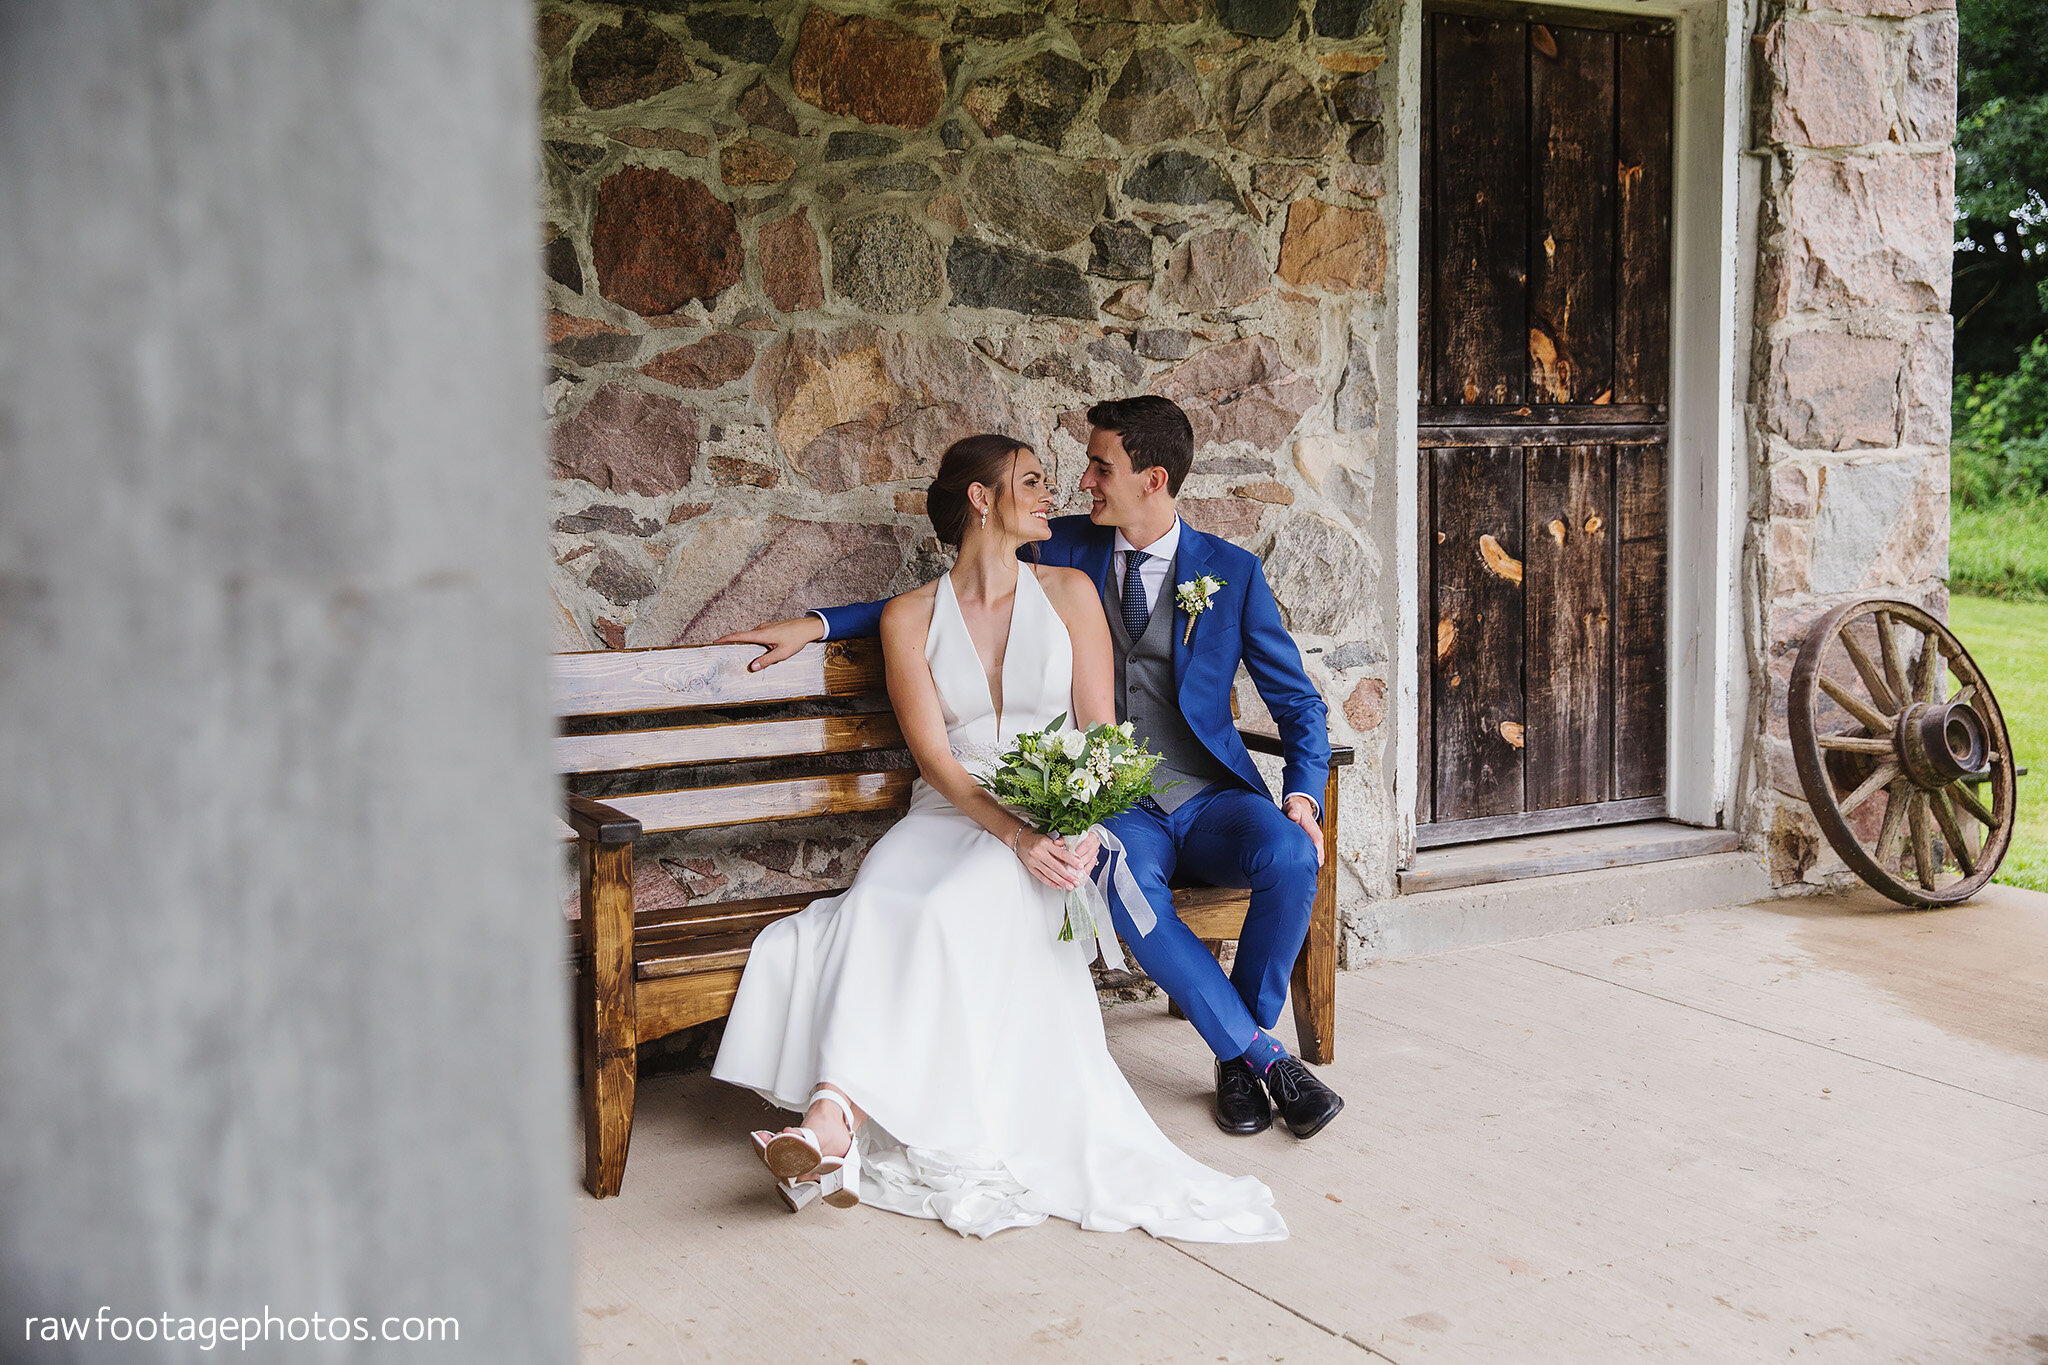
615	682
745	803
685	745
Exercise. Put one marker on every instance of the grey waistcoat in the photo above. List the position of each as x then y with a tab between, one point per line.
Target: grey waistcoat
1146	696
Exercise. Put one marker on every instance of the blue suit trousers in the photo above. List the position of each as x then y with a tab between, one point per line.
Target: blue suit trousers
1222	836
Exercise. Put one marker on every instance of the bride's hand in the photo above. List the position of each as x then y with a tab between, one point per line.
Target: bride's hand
1047	859
1088	850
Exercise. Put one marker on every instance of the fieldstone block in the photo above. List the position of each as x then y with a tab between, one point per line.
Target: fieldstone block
1121	251
1358	398
626	441
1830	86
1356	99
1164	343
742	37
577	156
867	68
895	178
607	347
717	359
1215	270
1355	654
620	582
1115	351
552	32
1367	146
1881	524
1343	18
1930	384
1366	707
558	259
1320	575
1177	177
1129	303
1328	246
1791	556
1040	201
1240	391
790	267
735	572
1281	181
748	162
886	263
1141	11
1793	488
1036	99
1155	98
659	240
620	521
855	146
764	108
1871	231
989	275
1831	391
1272	109
874	405
627	62
1927	99
1889	9
1364	181
1258	18
729	471
1235	519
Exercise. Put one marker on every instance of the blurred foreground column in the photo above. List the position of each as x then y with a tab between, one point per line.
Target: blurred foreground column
282	1016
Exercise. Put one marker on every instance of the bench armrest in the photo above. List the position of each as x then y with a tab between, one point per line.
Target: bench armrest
1259	742
597	823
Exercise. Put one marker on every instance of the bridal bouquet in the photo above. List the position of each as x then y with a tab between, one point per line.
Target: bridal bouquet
1066	782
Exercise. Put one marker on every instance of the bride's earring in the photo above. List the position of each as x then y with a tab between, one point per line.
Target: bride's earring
984	518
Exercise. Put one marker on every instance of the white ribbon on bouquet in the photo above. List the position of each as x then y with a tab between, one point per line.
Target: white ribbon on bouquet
1087	905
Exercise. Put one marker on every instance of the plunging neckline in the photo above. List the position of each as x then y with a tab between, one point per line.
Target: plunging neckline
1009	639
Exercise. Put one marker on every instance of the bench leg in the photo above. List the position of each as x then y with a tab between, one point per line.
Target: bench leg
607	1025
1314	986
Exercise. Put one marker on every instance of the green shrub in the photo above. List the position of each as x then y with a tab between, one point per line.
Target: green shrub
2000	448
1999	549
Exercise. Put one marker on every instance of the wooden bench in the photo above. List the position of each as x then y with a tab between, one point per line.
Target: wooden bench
640	976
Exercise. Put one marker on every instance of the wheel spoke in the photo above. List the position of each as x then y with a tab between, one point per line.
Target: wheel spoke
1927	668
1952	833
1872	784
1967	695
1855	744
1972	806
1888	646
1873	682
1923	838
1890	834
1873	721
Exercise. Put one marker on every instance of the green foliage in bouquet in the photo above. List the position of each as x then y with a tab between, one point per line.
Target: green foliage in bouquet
1066	780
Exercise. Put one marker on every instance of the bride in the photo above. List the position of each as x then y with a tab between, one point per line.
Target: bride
947	1053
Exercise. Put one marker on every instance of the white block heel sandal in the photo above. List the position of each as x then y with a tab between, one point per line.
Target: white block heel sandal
802	1171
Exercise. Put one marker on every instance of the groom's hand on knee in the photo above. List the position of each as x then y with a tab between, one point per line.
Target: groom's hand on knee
1302	811
782	639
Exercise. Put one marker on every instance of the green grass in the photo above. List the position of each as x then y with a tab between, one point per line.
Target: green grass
2009	641
2000	550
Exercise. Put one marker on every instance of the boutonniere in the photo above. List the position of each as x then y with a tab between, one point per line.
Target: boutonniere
1193	598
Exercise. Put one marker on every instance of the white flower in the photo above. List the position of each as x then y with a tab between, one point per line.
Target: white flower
1073	743
1083	784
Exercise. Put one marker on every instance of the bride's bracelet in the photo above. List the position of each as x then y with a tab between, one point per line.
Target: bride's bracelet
1014	836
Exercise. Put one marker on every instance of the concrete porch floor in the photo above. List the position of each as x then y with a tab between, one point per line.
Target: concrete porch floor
1810	1129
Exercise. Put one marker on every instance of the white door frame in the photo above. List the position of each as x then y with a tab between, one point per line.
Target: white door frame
1708	692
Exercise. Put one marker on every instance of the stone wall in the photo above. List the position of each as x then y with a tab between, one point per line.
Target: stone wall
1849	415
795	250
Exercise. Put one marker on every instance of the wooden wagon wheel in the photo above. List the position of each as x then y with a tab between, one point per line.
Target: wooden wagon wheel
1896	766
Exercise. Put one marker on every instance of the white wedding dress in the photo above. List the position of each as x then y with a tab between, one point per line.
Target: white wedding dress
933	993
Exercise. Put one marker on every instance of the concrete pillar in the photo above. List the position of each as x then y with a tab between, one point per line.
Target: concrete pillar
282	1016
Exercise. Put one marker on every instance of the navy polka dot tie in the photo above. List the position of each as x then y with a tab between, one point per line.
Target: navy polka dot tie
1137	611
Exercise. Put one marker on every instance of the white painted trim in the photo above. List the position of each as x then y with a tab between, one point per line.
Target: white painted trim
1708	331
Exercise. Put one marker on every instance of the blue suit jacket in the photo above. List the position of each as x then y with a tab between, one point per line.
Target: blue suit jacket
1242	625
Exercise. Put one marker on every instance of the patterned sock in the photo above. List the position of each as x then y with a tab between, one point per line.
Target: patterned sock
1264	1051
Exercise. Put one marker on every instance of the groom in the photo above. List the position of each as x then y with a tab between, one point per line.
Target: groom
1174	674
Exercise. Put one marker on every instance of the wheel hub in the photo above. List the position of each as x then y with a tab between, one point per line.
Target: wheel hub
1940	742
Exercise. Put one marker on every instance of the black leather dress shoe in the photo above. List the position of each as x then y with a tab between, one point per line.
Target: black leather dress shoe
1305	1103
1241	1103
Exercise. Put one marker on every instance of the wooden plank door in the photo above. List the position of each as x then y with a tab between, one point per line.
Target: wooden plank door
1544	355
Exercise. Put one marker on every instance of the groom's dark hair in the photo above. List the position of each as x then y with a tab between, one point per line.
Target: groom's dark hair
1155	433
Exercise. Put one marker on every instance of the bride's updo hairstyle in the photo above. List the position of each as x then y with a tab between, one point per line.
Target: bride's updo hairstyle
984	460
